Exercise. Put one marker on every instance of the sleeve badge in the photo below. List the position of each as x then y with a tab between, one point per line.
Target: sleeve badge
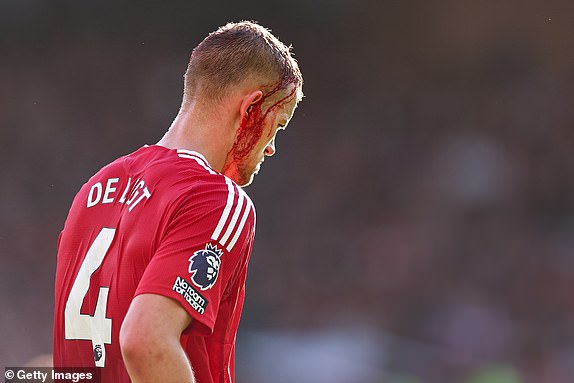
204	266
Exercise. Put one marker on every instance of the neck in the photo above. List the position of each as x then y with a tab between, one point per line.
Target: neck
208	134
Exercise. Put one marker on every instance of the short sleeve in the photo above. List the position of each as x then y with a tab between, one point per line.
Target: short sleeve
207	241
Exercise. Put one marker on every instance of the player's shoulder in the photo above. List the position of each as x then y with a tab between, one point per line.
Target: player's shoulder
215	184
198	162
189	175
220	198
176	169
236	214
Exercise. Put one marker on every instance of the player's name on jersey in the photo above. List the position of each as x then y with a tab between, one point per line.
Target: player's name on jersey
106	192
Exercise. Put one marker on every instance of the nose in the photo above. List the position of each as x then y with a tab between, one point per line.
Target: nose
270	148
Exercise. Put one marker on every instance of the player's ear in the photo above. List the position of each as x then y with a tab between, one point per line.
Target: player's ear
248	101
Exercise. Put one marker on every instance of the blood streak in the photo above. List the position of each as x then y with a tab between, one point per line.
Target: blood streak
251	127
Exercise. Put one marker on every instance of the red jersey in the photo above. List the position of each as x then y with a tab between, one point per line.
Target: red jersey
156	221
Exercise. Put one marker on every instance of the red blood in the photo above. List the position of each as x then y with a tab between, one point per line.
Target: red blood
251	127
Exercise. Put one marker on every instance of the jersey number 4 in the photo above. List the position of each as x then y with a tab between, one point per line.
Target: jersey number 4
97	327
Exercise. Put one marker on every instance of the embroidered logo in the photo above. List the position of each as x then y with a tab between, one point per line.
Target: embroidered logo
98	352
191	295
204	266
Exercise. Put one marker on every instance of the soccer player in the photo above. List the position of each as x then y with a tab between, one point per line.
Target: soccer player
152	259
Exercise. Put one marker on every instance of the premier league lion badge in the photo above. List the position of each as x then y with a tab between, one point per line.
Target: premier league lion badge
204	266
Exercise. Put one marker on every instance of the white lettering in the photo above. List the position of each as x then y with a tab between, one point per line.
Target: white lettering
125	193
135	193
109	190
35	375
192	297
73	376
107	195
97	187
146	194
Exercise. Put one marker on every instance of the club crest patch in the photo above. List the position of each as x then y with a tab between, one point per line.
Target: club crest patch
98	352
204	266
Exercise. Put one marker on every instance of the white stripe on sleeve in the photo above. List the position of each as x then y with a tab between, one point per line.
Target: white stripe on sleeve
226	211
248	208
231	226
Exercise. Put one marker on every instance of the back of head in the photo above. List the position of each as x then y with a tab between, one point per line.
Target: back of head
234	53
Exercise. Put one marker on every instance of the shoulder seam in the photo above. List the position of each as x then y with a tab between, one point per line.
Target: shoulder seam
198	158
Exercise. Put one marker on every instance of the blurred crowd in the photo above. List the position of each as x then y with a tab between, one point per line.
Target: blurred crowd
419	207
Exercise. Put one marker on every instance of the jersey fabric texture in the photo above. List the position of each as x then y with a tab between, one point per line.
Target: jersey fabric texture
157	221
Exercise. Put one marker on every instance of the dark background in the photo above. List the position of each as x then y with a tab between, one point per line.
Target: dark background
416	224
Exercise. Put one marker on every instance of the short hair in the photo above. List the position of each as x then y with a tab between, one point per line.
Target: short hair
235	52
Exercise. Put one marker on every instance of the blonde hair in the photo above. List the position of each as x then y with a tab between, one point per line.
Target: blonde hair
235	52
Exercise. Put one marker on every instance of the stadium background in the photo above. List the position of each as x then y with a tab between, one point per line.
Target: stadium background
417	223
